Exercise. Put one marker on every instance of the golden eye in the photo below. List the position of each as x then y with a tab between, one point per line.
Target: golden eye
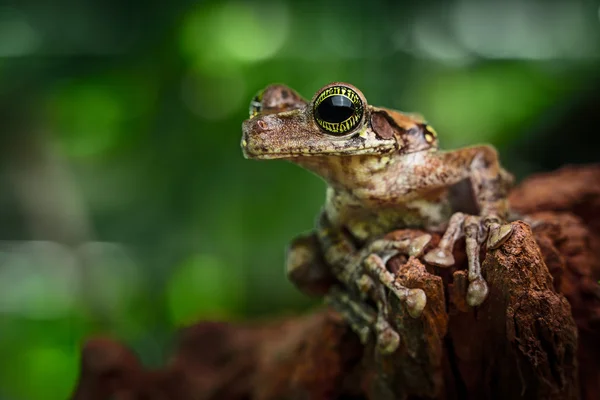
256	104
338	110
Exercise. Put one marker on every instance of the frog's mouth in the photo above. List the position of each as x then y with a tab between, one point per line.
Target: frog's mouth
269	137
268	155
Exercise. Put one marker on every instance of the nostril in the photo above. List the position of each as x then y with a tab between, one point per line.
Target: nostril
261	124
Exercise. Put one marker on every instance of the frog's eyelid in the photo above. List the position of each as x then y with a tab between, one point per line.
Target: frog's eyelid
255	107
430	129
259	95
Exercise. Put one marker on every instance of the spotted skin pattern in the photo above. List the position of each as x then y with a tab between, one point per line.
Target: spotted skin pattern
385	173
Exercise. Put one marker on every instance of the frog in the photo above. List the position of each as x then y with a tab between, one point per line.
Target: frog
384	171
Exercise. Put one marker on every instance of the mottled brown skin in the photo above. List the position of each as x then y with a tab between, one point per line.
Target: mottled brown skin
386	173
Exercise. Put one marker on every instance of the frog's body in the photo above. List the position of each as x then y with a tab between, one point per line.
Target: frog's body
368	218
384	172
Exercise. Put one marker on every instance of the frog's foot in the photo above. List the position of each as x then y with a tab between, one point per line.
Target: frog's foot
385	249
414	299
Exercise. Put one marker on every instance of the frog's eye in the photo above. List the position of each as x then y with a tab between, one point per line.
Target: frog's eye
256	104
338	110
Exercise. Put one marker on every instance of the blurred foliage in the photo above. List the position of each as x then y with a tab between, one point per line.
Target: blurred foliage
126	207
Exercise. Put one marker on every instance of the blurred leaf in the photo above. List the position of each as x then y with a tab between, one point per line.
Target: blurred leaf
493	103
203	287
52	368
93	116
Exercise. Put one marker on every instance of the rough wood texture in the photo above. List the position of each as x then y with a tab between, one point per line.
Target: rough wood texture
537	336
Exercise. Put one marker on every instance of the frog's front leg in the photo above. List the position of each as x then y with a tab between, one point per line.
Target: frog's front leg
307	269
414	299
442	255
364	272
490	185
350	265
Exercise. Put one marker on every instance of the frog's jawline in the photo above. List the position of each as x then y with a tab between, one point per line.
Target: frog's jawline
365	151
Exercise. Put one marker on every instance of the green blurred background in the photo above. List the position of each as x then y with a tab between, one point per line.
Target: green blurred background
126	206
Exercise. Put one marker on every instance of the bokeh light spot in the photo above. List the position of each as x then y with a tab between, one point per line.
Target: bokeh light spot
483	105
432	41
38	280
531	30
110	264
17	36
238	31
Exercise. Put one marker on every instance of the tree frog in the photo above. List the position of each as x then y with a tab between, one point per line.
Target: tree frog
383	171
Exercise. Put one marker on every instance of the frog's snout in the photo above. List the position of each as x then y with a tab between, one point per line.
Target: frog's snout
254	136
274	136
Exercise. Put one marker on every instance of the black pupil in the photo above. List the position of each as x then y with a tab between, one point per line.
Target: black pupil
335	109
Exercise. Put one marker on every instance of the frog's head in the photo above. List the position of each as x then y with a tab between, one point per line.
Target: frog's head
336	122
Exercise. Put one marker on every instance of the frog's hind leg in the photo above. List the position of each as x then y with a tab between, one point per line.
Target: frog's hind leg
387	338
306	268
357	314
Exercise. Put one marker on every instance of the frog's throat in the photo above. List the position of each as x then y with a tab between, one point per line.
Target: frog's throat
347	172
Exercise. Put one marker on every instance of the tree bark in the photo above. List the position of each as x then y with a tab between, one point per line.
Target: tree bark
536	336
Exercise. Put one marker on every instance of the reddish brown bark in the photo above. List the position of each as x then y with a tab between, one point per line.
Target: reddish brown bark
537	335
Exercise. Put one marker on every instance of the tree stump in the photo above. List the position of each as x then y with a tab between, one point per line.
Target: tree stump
536	336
